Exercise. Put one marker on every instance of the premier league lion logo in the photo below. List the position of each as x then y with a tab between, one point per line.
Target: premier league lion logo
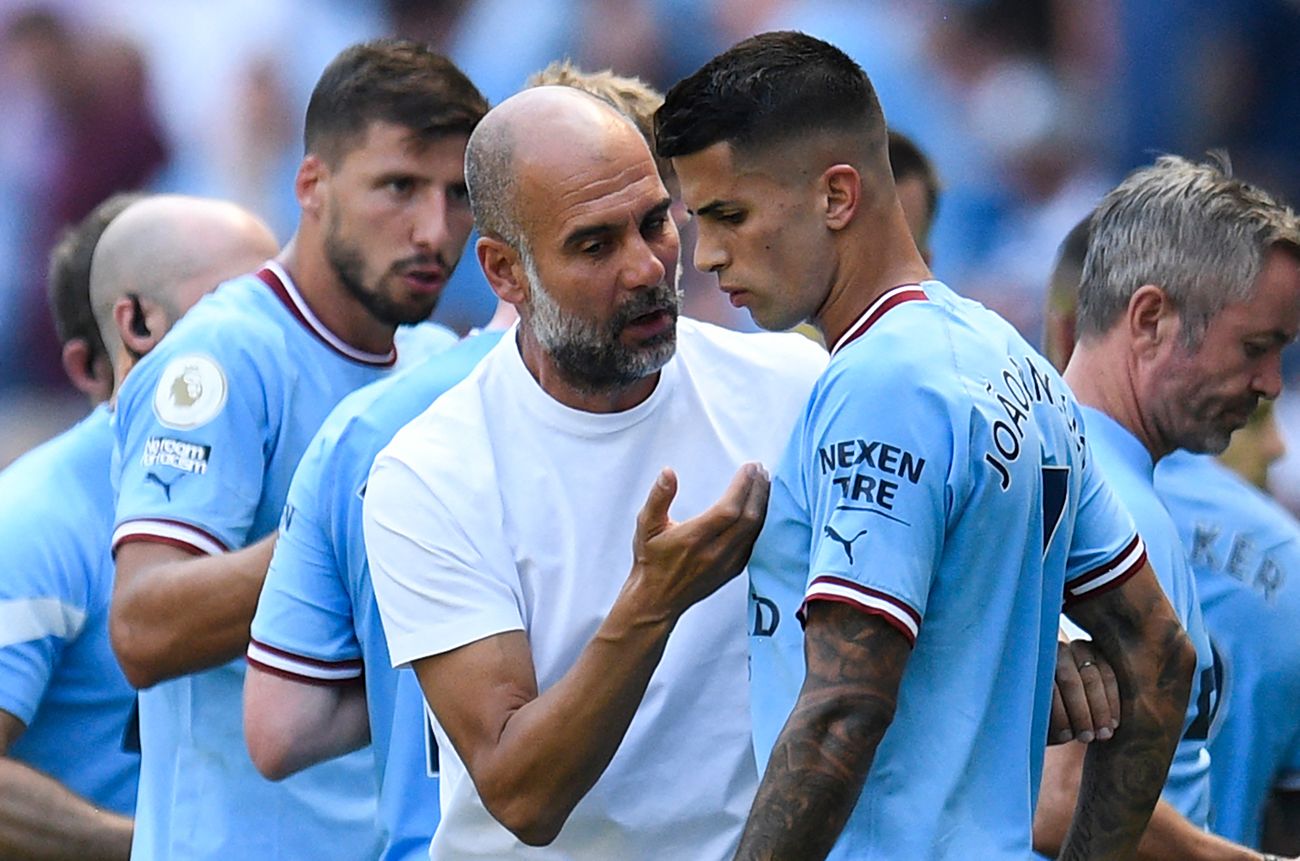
191	392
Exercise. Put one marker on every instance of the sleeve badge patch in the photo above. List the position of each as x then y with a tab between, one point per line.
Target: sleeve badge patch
191	392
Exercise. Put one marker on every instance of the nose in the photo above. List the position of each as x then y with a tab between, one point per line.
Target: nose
429	230
1268	380
644	267
710	256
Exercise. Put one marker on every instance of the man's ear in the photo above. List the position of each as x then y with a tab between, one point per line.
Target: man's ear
91	373
1152	319
503	269
308	182
141	324
841	187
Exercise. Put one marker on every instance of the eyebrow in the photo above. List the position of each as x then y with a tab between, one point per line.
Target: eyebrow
595	231
711	208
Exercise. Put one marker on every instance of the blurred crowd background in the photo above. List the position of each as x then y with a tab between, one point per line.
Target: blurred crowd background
1030	109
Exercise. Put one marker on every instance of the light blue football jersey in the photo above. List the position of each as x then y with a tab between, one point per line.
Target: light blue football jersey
1127	466
58	674
1244	550
210	426
317	620
939	478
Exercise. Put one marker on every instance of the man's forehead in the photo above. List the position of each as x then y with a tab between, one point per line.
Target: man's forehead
590	190
720	173
1271	311
384	140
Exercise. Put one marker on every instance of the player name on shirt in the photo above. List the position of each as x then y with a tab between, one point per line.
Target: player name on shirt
1016	396
1243	561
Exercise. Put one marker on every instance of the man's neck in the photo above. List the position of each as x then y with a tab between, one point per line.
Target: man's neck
336	308
875	257
575	396
1102	376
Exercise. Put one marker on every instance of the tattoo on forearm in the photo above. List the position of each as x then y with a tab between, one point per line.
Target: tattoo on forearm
1122	779
820	762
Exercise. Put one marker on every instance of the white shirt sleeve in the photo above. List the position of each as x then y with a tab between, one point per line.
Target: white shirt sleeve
442	572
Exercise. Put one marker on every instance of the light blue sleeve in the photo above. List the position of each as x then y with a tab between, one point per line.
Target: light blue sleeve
304	620
1105	549
877	454
192	446
44	592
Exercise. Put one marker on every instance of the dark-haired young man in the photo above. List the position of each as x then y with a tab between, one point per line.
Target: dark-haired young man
935	507
211	427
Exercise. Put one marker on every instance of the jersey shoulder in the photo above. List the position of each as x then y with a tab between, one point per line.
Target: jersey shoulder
368	419
56	513
234	337
65	482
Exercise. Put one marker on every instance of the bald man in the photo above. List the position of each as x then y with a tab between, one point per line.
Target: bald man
67	785
586	662
85	360
157	259
317	644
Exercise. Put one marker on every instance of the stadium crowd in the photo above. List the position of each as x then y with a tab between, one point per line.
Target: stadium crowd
514	460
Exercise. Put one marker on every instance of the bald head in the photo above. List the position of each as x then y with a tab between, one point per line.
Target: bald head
160	256
538	132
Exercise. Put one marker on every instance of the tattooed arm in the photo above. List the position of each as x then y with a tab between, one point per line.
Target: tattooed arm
855	663
1137	631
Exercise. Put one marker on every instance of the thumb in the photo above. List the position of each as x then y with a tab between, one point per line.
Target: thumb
653	518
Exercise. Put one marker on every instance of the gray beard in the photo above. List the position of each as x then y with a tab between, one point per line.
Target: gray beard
589	356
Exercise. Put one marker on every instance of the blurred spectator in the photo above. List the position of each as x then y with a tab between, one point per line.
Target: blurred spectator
92	109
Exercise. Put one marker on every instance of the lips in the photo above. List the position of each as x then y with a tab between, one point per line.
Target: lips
651	324
735	295
424	279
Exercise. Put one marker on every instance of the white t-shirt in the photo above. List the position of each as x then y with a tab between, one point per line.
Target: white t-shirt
499	509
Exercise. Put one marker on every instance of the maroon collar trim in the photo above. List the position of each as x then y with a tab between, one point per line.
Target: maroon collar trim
887	301
276	278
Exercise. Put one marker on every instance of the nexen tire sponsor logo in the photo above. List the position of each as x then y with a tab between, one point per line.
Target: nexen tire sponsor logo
178	454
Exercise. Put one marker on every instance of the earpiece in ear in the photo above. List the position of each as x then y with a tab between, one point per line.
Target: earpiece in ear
139	327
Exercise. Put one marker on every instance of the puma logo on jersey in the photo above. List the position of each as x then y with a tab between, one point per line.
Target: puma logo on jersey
165	485
846	543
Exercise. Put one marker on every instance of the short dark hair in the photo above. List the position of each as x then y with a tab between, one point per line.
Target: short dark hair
68	279
388	80
907	160
768	89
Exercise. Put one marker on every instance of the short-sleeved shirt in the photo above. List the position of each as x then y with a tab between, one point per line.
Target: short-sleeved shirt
58	674
210	426
1129	468
317	621
939	478
1244	550
501	509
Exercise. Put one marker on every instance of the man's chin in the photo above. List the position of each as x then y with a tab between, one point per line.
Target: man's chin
410	313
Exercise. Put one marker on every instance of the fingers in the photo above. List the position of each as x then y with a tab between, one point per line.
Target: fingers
1070	689
742	504
653	516
1100	687
760	492
1088	693
1058	727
